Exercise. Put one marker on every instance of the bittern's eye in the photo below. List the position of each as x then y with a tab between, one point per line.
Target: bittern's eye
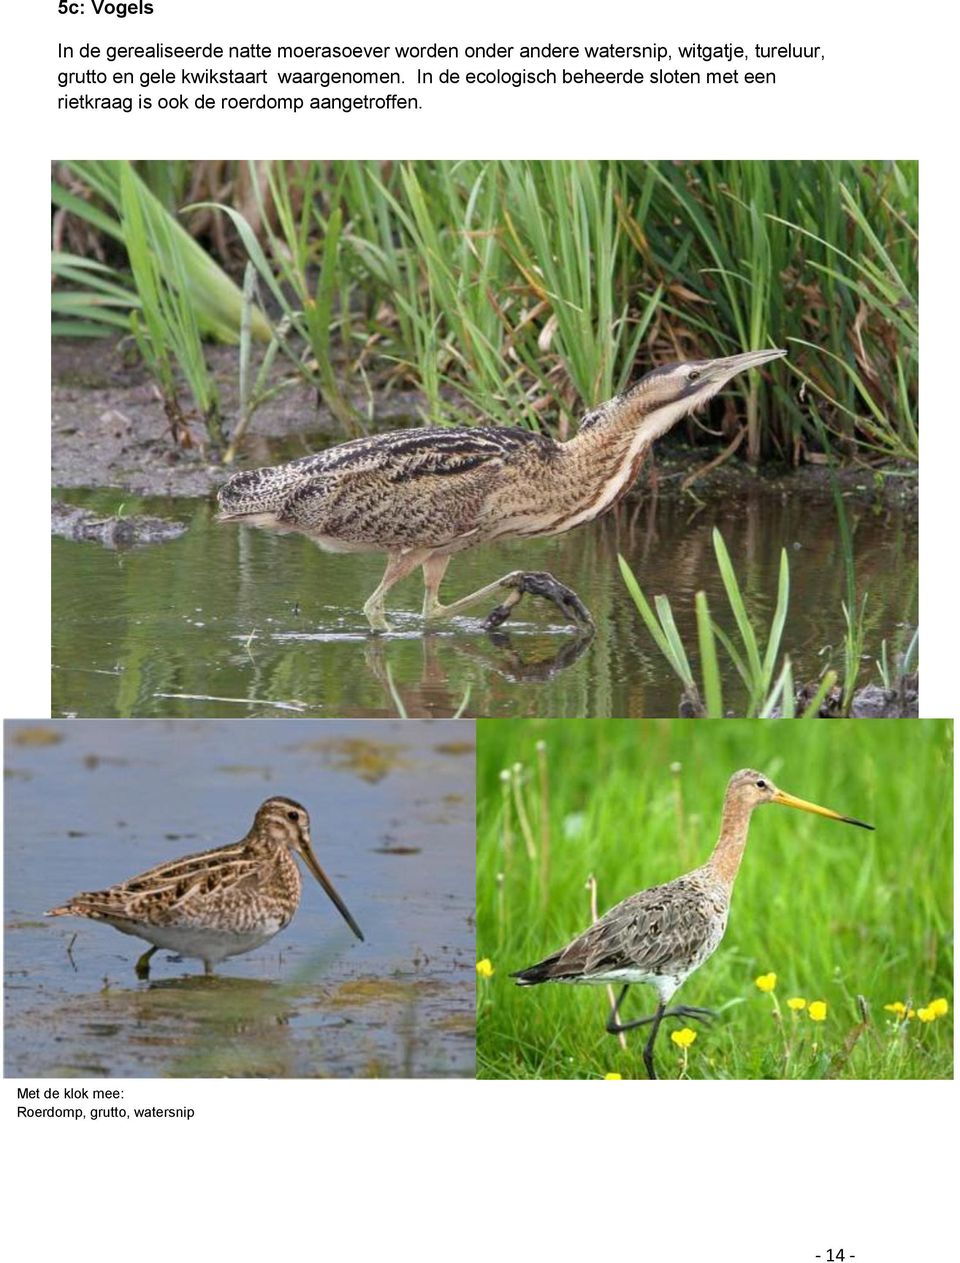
693	375
761	784
293	815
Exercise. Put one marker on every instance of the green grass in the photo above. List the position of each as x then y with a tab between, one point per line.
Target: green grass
835	912
766	687
528	292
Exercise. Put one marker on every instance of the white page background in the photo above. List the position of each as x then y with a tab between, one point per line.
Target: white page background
410	1170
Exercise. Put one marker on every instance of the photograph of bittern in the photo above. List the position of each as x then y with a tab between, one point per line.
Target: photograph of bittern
302	907
494	438
626	929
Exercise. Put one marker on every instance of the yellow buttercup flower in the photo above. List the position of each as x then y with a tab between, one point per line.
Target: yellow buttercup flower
939	1008
613	1075
684	1037
766	982
897	1007
796	1002
818	1010
485	968
926	1015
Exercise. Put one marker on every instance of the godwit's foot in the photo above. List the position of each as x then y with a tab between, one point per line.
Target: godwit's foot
685	1010
615	1027
539	583
143	964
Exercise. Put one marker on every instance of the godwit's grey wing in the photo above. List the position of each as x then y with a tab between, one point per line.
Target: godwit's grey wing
664	931
422	488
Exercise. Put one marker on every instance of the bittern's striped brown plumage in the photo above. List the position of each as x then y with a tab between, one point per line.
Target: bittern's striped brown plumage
217	903
662	935
421	495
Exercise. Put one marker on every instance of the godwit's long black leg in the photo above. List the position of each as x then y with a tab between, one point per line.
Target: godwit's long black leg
616	1027
648	1046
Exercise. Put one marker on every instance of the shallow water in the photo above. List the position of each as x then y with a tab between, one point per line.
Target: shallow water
392	808
236	621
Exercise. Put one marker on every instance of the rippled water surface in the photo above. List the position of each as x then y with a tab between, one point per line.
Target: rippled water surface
228	621
88	804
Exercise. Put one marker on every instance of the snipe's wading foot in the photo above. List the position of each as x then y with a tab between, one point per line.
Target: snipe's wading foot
217	903
662	935
423	495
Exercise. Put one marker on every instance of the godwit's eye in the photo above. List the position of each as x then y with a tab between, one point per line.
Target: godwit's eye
293	815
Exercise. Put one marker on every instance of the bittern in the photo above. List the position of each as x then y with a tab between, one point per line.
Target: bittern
217	903
662	935
421	495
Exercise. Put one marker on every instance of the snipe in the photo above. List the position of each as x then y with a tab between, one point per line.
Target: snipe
218	903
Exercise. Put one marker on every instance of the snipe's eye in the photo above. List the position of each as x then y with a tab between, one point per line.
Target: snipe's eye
293	815
761	784
693	374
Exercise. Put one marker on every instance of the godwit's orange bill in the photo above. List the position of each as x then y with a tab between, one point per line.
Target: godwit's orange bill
788	800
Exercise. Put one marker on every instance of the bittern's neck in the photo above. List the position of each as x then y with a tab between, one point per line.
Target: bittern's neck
627	421
724	863
601	462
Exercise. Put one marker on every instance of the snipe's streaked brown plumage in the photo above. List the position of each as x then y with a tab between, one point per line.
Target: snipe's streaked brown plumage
422	495
217	903
661	935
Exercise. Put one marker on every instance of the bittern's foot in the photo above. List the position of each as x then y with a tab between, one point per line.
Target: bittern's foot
538	583
517	670
376	617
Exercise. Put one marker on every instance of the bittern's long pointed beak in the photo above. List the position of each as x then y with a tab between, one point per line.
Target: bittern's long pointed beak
727	367
311	862
788	800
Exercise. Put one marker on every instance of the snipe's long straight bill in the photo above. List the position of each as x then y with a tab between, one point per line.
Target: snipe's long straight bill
311	862
788	800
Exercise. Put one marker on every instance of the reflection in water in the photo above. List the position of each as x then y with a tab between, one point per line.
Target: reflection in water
393	819
264	620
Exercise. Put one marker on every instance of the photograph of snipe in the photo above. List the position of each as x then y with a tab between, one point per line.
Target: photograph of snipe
485	438
295	899
627	930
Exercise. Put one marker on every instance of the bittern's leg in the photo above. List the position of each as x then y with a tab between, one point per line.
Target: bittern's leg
399	565
517	584
434	568
143	964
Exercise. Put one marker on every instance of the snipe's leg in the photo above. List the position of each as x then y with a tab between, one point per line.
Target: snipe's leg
207	969
143	964
399	565
517	583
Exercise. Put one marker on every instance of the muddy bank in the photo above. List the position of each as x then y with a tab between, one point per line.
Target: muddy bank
70	521
109	430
